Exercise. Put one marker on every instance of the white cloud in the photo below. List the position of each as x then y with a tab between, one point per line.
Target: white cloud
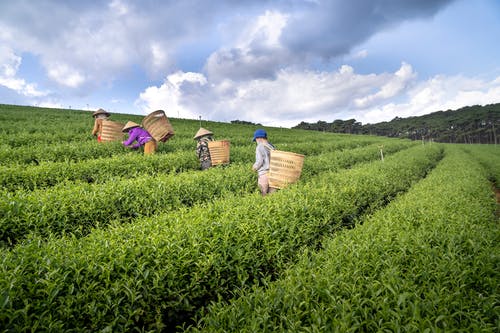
256	52
294	96
159	56
50	104
360	54
119	7
169	96
9	66
263	32
439	93
9	62
65	75
393	86
452	92
93	48
102	40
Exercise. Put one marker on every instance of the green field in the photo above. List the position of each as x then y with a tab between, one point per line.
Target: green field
99	238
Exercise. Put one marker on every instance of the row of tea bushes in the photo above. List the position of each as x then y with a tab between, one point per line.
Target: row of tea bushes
31	120
59	209
25	138
36	153
26	126
68	151
334	160
101	170
331	144
78	207
428	262
34	135
489	157
157	273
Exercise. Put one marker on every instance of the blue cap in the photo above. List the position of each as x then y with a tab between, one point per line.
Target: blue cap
260	133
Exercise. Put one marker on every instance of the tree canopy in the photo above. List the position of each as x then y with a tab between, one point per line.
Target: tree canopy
470	124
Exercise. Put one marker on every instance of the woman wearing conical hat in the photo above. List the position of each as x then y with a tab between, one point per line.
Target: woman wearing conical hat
139	135
99	116
203	136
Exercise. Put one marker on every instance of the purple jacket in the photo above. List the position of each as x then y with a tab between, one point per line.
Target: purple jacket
137	134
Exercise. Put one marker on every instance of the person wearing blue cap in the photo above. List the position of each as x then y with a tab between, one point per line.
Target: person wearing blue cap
262	161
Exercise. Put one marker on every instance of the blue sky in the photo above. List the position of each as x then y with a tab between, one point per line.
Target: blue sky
274	62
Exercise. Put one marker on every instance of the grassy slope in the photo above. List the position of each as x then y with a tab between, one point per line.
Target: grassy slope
50	139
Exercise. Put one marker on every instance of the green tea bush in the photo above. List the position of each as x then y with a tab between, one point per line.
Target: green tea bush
489	157
78	208
155	274
428	262
137	188
99	170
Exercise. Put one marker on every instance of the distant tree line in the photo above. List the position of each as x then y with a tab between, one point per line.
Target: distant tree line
471	124
244	122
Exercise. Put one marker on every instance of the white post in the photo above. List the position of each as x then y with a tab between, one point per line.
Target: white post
381	153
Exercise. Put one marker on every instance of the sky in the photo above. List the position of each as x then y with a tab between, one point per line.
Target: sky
273	62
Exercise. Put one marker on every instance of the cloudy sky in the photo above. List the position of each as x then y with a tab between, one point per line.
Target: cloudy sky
275	62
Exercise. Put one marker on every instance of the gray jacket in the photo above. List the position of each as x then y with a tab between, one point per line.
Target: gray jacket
262	157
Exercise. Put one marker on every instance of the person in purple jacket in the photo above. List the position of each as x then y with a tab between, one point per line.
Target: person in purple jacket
139	135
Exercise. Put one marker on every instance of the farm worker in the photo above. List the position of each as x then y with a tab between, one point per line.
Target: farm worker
99	116
262	161
141	136
203	136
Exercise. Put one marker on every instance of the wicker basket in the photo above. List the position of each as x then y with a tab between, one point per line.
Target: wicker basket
285	168
219	151
111	131
158	125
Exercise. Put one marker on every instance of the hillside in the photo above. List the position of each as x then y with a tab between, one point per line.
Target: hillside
377	234
471	124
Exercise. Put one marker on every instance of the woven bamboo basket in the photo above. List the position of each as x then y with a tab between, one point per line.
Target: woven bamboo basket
219	151
285	168
158	125
111	131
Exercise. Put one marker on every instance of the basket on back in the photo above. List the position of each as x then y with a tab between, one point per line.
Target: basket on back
285	168
158	125
111	131
219	151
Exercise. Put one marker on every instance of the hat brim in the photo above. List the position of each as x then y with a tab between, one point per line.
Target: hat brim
201	133
259	137
129	125
107	114
125	130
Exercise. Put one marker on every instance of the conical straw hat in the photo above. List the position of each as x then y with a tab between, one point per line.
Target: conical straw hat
100	111
129	125
201	132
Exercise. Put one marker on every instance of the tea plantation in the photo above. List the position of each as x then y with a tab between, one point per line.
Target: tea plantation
96	237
